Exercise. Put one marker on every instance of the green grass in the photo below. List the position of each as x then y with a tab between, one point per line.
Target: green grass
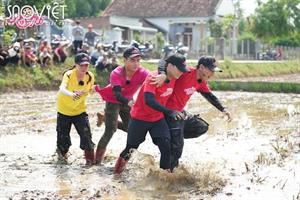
240	70
49	78
255	86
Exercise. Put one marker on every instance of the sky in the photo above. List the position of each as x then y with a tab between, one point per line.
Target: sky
249	6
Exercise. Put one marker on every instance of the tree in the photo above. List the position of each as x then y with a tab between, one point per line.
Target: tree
83	8
215	28
104	4
276	18
71	8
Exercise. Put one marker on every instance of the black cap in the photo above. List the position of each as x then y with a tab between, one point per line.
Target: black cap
131	52
179	61
210	63
82	59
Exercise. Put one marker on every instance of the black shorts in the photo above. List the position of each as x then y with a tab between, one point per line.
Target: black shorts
138	129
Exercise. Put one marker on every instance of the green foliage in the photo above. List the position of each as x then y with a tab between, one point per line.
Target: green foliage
239	70
215	28
247	36
70	9
291	40
160	41
7	36
137	36
103	4
37	3
84	8
49	78
255	86
222	28
276	18
226	24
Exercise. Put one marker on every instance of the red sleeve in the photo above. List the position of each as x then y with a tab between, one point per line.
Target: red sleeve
115	79
203	87
149	87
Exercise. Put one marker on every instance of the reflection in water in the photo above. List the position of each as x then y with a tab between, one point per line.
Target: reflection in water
265	129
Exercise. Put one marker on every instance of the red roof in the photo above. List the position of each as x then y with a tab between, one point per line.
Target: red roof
97	22
161	8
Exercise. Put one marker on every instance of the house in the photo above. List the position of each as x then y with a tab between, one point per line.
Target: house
183	21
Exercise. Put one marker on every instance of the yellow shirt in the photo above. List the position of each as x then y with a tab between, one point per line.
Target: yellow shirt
65	104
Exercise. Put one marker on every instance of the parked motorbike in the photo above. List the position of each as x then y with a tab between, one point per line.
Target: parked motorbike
181	49
146	51
167	50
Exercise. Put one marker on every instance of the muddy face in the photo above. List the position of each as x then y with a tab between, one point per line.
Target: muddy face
231	161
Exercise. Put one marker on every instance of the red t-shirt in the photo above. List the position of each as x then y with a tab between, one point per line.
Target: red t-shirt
184	87
141	110
129	87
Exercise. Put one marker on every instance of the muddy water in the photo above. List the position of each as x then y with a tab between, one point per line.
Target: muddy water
254	157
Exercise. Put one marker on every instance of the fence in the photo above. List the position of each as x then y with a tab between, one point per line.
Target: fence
247	50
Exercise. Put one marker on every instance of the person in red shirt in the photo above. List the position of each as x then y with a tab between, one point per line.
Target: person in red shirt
147	114
192	126
124	82
29	58
45	53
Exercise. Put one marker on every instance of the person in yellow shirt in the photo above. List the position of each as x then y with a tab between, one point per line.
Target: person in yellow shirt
76	85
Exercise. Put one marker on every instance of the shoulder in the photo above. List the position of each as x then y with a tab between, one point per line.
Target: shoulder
144	71
69	72
91	74
118	70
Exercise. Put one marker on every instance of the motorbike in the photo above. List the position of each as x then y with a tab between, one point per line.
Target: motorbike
146	51
167	50
183	50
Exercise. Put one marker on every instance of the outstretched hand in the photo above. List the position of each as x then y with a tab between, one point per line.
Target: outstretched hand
78	94
227	114
131	103
158	80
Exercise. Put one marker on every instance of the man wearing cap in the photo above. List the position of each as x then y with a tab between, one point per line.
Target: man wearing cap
78	36
147	114
76	85
124	82
90	37
192	126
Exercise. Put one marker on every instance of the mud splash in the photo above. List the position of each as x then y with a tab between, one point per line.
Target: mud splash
254	157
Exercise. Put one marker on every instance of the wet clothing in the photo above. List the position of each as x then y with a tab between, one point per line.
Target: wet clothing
82	126
192	126
159	133
141	110
146	118
65	104
117	95
177	140
112	111
73	111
